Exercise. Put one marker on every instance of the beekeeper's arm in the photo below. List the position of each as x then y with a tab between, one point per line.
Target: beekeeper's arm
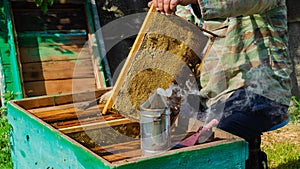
211	9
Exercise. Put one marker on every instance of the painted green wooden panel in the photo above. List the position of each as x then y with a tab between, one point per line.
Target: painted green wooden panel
225	156
6	68
53	33
36	146
5	53
4	47
7	74
9	86
15	73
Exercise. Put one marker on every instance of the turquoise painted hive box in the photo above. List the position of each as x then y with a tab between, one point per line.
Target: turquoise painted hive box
56	132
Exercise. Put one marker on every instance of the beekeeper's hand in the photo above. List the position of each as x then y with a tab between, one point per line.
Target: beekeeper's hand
169	6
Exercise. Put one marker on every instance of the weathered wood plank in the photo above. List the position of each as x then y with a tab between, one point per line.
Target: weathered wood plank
76	122
38	53
100	79
74	98
57	70
120	151
84	54
127	150
61	2
51	108
122	156
58	17
66	114
33	41
121	147
97	125
39	88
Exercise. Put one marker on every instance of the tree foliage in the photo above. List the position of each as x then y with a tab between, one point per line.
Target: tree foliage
43	4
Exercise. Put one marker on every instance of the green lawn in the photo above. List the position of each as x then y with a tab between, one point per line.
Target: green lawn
283	147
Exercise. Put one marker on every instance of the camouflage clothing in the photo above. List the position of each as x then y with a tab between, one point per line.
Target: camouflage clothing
252	55
186	12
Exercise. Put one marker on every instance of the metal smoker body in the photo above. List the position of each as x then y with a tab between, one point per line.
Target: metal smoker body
155	125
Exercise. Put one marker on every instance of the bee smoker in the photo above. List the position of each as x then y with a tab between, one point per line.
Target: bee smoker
155	125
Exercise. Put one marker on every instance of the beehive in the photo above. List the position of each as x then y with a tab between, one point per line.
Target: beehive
52	132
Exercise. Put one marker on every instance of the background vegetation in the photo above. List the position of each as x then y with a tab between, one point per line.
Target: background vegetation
5	158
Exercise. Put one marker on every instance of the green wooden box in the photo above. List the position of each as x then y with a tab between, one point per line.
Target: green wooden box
51	132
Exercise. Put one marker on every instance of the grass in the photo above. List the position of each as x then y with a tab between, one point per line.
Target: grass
5	157
283	147
294	110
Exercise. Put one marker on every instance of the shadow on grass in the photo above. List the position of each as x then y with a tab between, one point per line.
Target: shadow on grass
292	164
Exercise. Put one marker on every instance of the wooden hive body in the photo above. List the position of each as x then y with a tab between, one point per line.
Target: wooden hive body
51	132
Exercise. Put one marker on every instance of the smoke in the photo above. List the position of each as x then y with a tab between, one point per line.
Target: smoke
184	102
214	112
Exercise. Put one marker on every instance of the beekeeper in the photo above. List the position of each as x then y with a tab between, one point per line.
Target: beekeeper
246	76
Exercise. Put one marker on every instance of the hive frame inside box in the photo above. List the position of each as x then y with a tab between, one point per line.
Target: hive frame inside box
38	144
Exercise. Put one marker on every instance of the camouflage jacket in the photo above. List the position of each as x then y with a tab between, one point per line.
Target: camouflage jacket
254	52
